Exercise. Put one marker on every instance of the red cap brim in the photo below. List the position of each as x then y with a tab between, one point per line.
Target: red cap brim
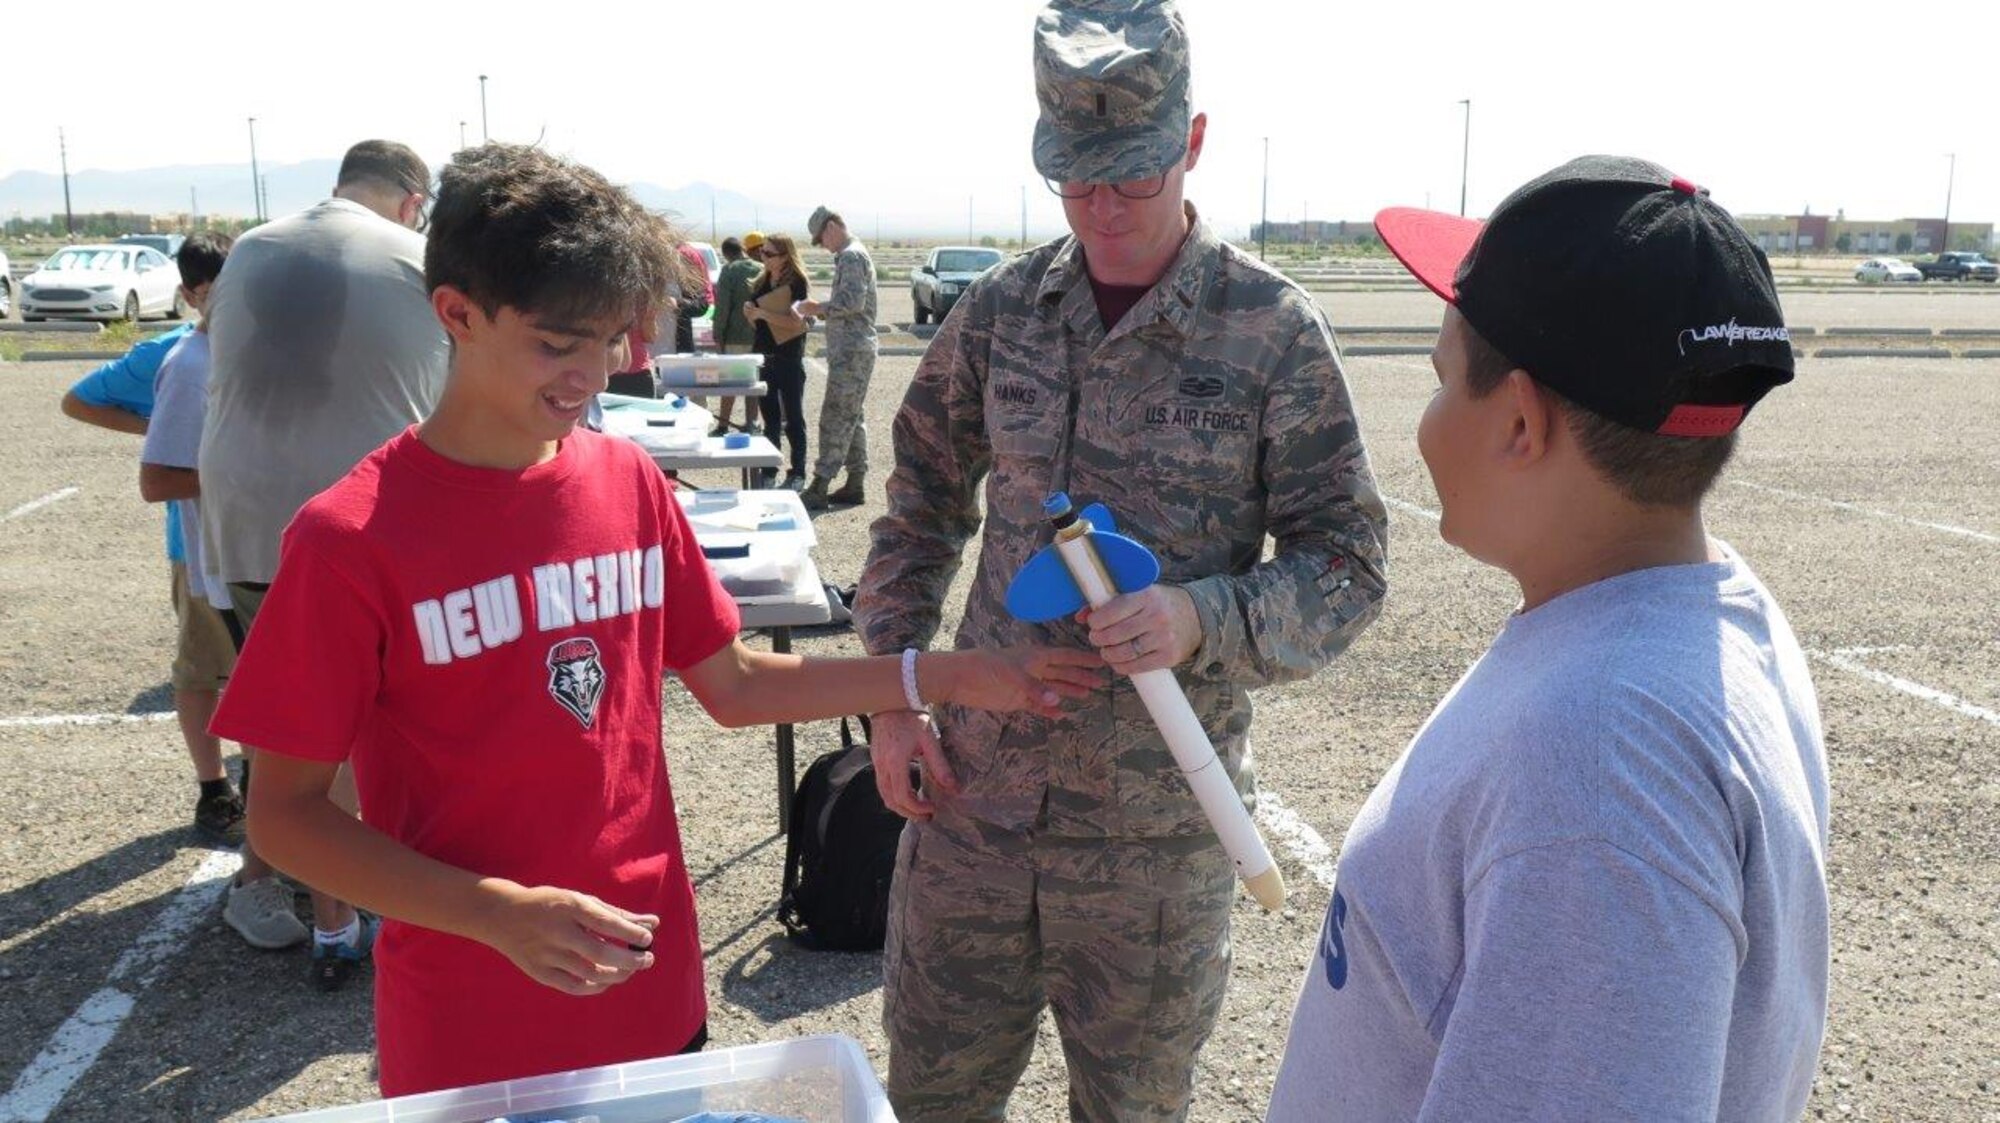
1430	244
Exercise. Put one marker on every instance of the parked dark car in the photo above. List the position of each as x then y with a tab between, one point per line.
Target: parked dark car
936	284
1958	265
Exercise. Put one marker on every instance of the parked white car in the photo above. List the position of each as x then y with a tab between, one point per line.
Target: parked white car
103	283
6	288
1877	270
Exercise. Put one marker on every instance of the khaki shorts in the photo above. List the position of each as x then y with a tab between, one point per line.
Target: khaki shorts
203	652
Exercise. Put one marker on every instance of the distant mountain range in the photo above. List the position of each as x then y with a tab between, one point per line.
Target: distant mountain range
225	189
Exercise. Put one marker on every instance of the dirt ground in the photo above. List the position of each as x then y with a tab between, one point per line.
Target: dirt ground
1898	586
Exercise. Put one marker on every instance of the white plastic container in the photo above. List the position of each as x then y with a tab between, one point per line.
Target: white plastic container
708	370
822	1079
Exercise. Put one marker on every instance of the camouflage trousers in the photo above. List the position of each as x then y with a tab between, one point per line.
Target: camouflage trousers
843	438
1126	940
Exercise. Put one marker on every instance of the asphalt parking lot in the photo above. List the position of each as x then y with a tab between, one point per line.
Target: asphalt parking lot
1867	495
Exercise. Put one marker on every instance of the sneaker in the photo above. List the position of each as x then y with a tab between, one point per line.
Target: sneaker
721	429
261	912
219	819
334	964
795	481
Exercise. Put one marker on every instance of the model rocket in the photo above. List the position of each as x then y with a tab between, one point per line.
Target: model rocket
1089	563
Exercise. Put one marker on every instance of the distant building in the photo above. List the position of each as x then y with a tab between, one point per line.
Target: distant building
1327	232
1816	233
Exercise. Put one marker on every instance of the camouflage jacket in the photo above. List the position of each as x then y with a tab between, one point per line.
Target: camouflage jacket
850	308
1214	416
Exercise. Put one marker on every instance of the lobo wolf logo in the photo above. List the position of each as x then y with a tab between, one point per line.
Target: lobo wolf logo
576	678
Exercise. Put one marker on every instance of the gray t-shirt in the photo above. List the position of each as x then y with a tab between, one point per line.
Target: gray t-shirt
325	347
173	439
1594	886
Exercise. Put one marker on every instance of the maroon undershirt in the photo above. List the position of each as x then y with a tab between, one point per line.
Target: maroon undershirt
1113	301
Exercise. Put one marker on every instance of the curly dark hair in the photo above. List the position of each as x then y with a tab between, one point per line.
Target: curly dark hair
515	226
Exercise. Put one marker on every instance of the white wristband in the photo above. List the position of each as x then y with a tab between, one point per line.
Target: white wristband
910	695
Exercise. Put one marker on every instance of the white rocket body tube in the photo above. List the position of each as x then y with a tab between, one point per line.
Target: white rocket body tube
1185	738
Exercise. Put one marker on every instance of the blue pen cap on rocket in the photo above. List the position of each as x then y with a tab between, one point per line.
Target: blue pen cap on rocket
1056	505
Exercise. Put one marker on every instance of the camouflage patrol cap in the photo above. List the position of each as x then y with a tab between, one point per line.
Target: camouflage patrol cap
820	217
1113	81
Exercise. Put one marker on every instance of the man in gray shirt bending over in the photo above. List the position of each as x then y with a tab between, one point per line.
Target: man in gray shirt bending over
324	346
1594	886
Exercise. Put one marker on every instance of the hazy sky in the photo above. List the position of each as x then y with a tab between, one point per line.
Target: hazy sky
906	108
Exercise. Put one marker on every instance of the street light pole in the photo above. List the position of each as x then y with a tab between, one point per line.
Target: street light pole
1264	211
69	217
1950	176
485	134
1465	157
256	192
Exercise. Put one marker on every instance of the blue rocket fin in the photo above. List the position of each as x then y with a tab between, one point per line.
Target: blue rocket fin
1099	518
1043	590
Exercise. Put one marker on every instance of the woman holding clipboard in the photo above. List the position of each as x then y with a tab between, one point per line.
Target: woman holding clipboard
781	339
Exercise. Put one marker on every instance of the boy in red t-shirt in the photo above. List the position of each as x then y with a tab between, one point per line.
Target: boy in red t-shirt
478	616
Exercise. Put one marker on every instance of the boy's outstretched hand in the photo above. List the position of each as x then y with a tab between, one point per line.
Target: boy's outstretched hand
1025	677
568	940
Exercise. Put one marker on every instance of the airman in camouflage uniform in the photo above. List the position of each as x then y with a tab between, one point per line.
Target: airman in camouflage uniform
1065	863
850	362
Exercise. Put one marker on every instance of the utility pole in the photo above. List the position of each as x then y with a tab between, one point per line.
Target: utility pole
485	134
265	197
968	220
711	217
1024	218
1264	211
69	216
194	209
1465	158
461	134
256	191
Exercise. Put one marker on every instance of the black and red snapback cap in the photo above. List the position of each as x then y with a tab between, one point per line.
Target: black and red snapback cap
1617	284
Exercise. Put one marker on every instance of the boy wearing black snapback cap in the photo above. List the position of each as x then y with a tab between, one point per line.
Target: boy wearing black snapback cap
1594	885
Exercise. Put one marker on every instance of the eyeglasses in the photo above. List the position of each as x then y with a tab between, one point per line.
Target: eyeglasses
423	193
1146	188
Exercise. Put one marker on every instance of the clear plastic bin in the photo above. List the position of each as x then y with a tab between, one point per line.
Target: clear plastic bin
708	370
822	1079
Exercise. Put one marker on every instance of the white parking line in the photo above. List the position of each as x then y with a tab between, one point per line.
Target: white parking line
56	496
1412	508
1298	836
76	1044
27	722
1943	528
1913	689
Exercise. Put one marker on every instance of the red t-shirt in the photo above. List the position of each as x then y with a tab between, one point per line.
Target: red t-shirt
640	355
487	647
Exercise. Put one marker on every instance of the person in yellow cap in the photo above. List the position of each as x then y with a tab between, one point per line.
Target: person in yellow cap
733	334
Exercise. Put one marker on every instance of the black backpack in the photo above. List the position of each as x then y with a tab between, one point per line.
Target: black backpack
840	853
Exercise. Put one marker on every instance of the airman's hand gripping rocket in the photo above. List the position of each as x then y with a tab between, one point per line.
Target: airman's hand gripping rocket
1089	563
